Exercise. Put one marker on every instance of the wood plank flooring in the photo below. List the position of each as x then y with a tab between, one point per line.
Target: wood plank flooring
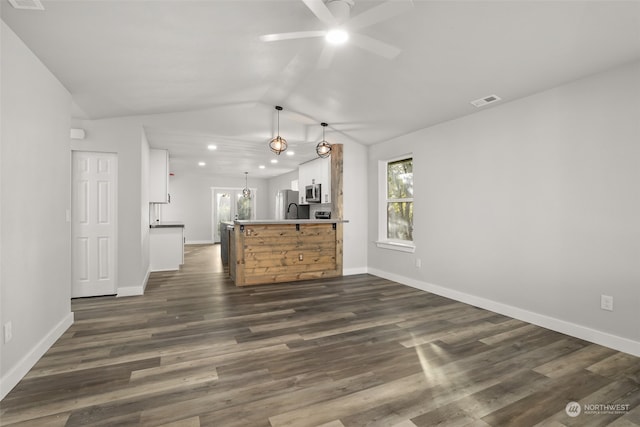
352	351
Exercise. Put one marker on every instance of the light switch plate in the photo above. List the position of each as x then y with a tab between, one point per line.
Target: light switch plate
8	333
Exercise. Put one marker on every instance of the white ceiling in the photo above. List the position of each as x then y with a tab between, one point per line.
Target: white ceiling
204	60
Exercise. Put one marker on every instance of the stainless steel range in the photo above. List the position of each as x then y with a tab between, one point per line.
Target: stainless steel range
323	214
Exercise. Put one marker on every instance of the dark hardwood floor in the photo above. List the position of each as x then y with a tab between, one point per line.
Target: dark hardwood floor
351	351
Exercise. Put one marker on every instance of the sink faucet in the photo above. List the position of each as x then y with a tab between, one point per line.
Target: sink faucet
289	208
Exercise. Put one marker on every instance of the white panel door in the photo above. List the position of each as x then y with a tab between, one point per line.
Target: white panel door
94	224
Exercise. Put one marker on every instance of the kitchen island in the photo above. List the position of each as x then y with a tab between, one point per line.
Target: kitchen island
274	251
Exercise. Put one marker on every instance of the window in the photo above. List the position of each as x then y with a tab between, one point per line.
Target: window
396	207
228	204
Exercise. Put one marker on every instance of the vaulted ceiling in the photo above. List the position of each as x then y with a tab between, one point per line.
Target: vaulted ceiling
198	73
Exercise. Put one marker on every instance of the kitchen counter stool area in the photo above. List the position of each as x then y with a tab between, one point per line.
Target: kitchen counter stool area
263	252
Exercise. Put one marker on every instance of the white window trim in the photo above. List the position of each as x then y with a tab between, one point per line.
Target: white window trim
383	242
396	246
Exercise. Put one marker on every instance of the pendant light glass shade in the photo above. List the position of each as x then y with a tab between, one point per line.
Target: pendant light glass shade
246	193
323	149
278	144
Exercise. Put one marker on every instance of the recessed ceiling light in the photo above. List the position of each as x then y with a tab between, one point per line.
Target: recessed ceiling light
337	36
290	153
202	164
212	147
274	160
262	166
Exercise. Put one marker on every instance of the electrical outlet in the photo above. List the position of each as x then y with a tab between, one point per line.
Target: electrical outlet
8	333
418	263
606	302
300	257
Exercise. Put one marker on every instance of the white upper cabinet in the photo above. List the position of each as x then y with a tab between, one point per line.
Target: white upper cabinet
304	179
159	176
316	171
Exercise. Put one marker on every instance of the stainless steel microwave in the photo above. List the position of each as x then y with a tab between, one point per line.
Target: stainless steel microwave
313	194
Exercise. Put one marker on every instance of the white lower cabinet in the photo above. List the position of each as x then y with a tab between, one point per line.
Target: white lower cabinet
166	248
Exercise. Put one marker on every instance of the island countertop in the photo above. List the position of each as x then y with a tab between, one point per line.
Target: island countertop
166	225
290	221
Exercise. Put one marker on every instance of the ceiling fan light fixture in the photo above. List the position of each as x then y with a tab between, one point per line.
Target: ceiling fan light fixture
337	36
278	144
323	149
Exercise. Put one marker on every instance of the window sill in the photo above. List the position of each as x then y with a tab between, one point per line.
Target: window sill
394	246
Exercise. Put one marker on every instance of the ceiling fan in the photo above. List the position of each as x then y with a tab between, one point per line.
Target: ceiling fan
340	27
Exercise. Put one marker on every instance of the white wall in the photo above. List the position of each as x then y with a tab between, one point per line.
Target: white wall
125	137
191	201
145	267
531	208
35	190
355	200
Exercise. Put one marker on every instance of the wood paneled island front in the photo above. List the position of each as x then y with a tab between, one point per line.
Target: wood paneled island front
263	252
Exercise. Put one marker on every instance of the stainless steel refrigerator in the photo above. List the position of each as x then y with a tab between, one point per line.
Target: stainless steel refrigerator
288	206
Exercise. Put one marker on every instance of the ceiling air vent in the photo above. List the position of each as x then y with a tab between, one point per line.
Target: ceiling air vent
486	100
27	4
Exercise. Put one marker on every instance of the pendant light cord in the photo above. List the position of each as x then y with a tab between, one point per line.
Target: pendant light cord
278	109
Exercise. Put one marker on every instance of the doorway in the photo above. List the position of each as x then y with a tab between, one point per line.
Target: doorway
93	224
228	204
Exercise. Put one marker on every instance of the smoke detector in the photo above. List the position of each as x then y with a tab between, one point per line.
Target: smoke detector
485	101
27	4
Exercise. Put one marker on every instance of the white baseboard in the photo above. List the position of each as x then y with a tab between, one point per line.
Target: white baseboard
354	271
588	334
146	279
15	374
199	242
131	291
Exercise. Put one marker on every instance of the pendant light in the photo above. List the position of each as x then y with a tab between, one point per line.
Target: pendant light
323	149
278	144
246	193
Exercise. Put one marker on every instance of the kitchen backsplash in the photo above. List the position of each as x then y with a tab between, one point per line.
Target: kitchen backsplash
319	207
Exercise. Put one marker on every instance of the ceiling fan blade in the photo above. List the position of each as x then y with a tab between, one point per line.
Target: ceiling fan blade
379	13
326	57
375	46
294	35
321	11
